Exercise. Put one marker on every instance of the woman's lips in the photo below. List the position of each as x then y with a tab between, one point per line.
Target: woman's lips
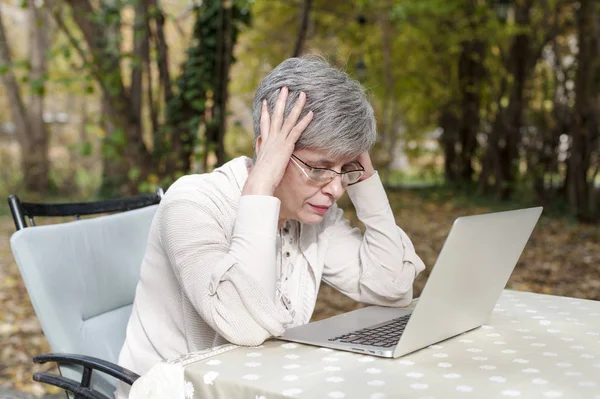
319	208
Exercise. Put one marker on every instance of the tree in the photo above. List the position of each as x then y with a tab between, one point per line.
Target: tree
460	117
32	134
204	76
586	131
304	19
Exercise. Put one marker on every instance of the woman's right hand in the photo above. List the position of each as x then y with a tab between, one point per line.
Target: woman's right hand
275	144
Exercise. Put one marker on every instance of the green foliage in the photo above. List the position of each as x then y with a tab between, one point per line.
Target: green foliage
38	86
412	53
196	83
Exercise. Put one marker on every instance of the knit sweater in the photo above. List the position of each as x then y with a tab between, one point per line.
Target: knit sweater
210	271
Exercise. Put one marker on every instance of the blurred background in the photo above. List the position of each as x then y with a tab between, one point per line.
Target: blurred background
482	105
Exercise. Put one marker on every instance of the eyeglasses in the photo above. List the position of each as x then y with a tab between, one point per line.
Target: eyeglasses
350	174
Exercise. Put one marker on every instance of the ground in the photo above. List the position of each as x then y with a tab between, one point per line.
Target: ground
561	258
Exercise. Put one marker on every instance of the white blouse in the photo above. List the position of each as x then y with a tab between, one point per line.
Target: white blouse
217	270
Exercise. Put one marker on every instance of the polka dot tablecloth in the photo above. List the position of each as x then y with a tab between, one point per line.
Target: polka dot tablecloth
534	346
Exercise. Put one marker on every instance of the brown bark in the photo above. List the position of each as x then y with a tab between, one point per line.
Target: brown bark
449	124
140	50
163	52
502	154
19	115
35	158
31	131
389	122
216	125
471	74
176	154
224	81
305	16
585	132
121	109
461	122
505	138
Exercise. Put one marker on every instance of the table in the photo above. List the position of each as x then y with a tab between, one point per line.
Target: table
534	346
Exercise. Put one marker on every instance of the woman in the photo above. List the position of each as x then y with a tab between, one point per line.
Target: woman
237	255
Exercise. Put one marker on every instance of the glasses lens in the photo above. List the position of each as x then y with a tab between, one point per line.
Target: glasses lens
352	177
321	175
351	167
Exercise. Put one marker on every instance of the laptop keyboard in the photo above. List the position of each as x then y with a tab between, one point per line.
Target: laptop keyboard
384	335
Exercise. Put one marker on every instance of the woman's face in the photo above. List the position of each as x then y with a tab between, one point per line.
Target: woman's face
302	199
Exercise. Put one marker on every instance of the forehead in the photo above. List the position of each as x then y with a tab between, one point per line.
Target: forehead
322	158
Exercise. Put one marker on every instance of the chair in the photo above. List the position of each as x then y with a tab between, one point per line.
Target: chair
81	277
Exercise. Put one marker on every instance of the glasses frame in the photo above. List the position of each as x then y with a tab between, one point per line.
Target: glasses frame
333	176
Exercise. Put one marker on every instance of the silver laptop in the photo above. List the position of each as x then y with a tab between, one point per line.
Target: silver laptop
465	283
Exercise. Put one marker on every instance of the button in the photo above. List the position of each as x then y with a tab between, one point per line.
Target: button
287	254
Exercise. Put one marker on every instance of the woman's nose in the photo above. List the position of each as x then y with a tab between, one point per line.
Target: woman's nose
334	188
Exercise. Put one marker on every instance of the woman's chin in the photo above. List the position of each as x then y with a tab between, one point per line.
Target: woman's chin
310	218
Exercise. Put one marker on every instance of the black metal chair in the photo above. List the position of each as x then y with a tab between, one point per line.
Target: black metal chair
81	278
21	210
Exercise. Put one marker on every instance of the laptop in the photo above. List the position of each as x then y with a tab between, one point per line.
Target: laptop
465	283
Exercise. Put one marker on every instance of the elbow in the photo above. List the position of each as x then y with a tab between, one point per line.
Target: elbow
247	340
240	326
402	283
392	288
242	332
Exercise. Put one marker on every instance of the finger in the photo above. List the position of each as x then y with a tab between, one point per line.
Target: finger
300	126
277	118
265	120
294	114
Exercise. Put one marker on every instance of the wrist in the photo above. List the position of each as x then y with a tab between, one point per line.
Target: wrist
253	187
365	176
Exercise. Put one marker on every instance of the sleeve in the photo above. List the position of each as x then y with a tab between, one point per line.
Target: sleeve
378	267
230	282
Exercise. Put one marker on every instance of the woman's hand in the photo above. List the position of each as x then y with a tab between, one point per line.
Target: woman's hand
365	161
275	145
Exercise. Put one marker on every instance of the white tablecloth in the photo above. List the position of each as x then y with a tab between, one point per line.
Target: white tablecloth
534	346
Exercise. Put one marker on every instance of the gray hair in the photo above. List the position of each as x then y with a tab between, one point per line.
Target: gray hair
343	123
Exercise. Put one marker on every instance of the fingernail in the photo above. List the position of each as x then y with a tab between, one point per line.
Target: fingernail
284	88
264	103
302	95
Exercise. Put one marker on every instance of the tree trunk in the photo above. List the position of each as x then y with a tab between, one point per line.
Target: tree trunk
31	131
449	124
36	161
127	139
222	87
459	117
17	108
585	132
306	6
216	125
389	121
471	74
505	138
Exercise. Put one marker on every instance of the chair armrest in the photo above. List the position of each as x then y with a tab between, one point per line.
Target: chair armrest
68	385
89	362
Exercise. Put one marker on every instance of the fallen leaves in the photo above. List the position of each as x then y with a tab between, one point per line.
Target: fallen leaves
20	332
561	257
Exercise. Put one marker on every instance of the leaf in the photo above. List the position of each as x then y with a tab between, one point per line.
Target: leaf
134	173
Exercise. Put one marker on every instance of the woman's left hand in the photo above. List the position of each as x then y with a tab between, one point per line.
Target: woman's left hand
365	161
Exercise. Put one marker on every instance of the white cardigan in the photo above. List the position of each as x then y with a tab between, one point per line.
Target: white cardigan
210	268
